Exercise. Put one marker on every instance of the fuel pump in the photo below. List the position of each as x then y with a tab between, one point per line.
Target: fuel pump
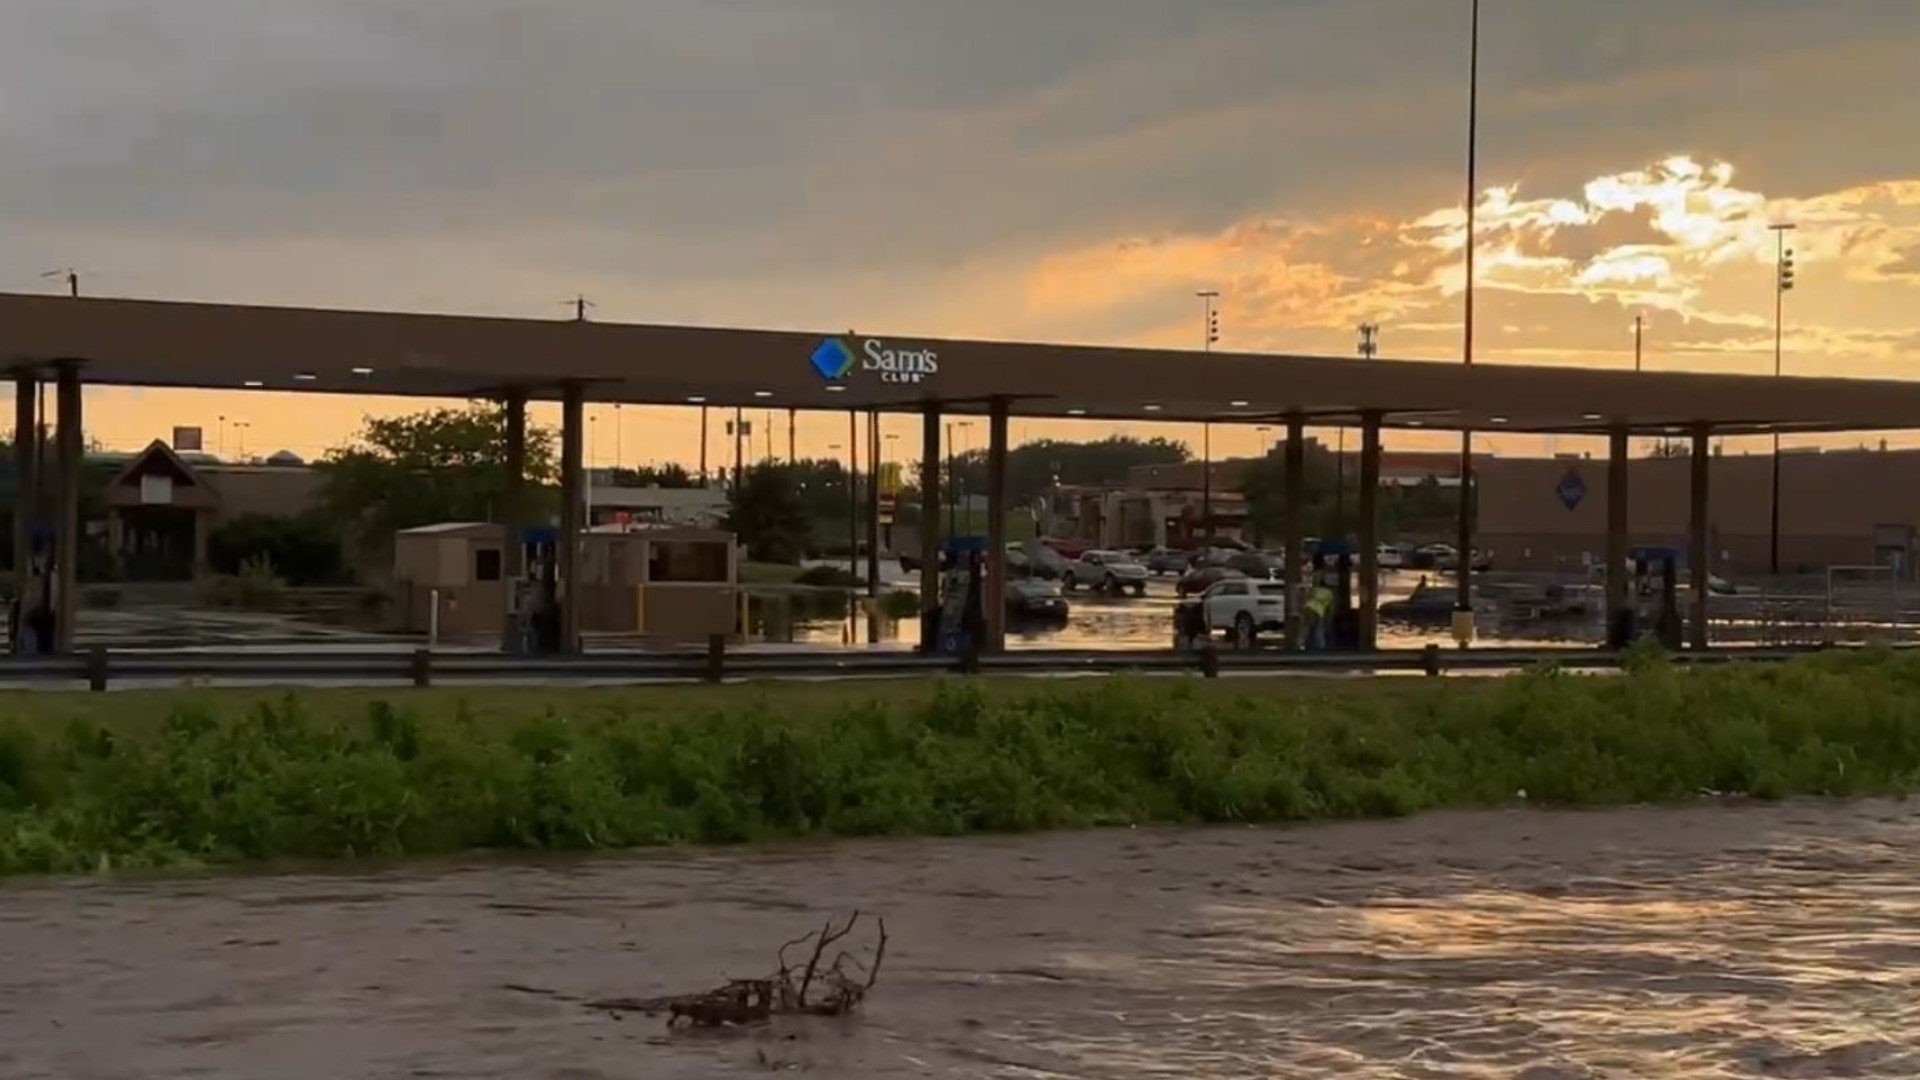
957	621
1656	587
32	618
536	594
1333	569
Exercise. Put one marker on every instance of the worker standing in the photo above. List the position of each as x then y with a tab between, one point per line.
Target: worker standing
1319	606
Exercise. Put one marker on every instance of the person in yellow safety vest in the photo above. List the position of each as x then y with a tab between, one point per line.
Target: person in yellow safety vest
1319	604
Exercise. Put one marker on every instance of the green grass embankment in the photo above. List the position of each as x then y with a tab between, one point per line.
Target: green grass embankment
127	780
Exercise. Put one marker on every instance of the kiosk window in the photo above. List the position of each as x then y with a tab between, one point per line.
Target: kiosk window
686	560
486	564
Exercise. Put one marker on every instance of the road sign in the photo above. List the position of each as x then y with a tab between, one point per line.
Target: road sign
1571	489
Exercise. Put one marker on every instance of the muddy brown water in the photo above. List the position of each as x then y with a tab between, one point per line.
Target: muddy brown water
1716	941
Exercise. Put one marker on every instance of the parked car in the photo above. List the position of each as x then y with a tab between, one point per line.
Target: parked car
1201	578
1035	600
1038	560
1392	557
1259	564
1242	608
1111	571
1164	560
1067	549
1447	557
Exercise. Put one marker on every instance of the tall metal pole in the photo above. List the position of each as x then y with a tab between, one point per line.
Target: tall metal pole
703	445
792	458
739	445
1639	329
1209	333
1463	600
1782	281
1368	349
1206	482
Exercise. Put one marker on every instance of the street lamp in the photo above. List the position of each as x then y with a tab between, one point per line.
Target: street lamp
1782	285
1210	333
1463	600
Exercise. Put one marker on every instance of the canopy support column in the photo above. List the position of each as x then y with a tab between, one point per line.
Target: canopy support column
513	515
1616	578
572	516
996	598
1699	559
72	448
1296	472
1369	532
929	518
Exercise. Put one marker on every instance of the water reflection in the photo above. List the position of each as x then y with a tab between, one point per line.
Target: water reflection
1101	621
1711	942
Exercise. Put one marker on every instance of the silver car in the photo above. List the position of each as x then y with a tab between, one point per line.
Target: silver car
1110	571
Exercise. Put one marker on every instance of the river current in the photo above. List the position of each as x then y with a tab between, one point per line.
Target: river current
1705	942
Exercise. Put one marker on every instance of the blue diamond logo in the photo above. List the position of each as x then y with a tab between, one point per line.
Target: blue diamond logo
833	360
1571	489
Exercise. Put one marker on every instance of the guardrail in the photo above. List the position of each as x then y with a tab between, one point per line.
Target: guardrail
99	667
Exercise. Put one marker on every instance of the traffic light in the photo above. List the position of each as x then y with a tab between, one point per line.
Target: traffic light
1786	271
1213	327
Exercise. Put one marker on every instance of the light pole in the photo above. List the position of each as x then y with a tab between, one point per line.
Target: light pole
1210	333
1463	600
1368	348
1782	284
1639	333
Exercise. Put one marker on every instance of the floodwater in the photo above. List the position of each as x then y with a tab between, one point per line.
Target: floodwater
1100	621
1708	942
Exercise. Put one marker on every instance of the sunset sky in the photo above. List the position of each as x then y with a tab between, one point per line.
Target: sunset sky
1048	169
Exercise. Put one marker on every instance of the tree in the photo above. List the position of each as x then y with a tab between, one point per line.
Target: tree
767	515
662	476
1035	468
1265	486
445	464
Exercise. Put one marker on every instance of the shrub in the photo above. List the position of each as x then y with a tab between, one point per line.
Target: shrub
827	576
601	769
306	550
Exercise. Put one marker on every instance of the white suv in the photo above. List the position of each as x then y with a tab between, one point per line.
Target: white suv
1108	570
1244	608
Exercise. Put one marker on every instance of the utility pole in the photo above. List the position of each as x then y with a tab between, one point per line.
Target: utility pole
703	446
1782	284
579	304
792	457
1463	599
72	278
1639	332
1210	333
739	446
1368	348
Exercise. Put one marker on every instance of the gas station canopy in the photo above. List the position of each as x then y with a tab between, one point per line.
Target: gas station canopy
221	346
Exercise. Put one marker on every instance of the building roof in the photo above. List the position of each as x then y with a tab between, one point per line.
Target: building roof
223	346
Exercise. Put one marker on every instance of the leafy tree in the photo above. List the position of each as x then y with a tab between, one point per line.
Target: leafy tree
767	514
1035	468
663	476
445	464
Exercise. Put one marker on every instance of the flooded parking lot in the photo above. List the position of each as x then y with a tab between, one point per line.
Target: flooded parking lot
1708	942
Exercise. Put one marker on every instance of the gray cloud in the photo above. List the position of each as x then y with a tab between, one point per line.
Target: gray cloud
780	145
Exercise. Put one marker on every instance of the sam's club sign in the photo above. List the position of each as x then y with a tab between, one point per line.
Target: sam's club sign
836	361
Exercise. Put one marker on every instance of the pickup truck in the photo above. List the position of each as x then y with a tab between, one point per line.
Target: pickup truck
1242	607
1111	571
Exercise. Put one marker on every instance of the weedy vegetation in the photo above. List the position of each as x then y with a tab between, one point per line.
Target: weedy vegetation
122	781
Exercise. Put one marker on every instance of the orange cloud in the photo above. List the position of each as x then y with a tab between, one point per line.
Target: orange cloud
1678	236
